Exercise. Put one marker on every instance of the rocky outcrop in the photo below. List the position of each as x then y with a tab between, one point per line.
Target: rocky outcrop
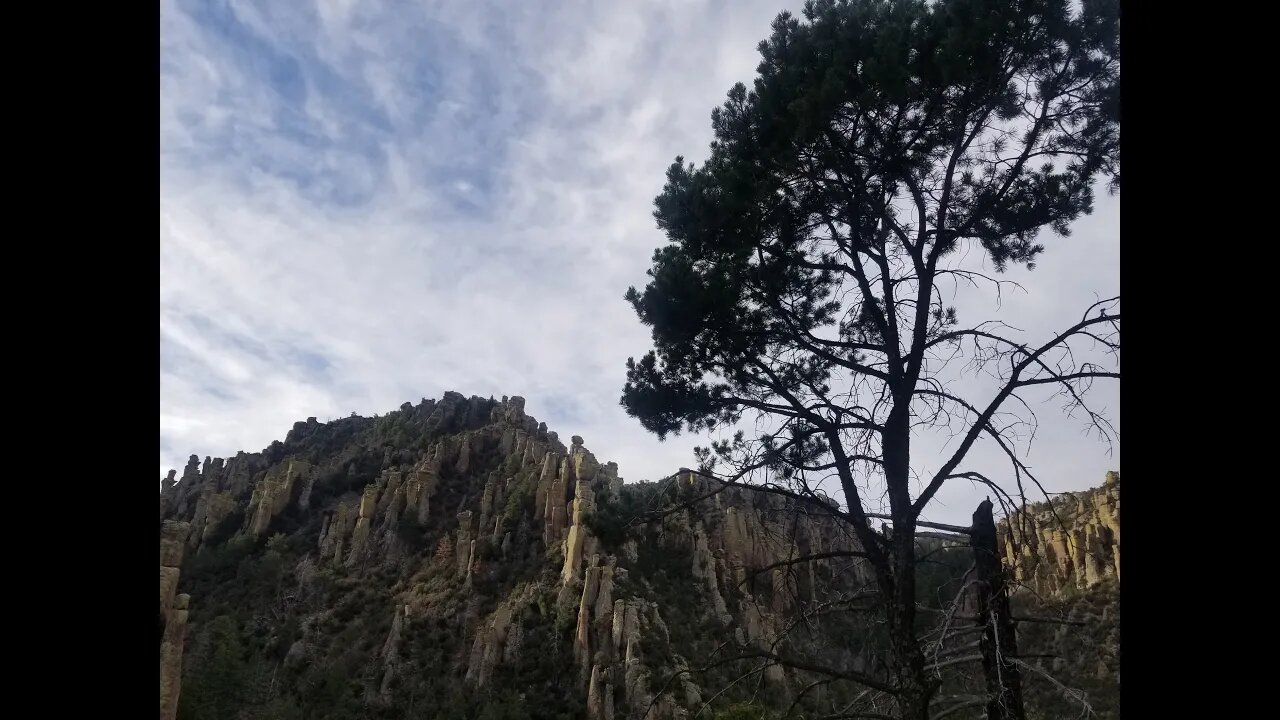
466	546
492	495
1071	542
487	649
171	648
364	524
391	652
495	550
463	463
550	470
498	639
599	696
421	486
554	511
212	508
738	546
173	535
272	494
578	541
336	528
174	609
490	483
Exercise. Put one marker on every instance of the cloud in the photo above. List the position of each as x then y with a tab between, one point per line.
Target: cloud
366	203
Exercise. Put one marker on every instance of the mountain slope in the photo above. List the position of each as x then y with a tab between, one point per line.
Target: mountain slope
456	559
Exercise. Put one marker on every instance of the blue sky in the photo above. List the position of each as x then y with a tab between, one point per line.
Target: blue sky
366	203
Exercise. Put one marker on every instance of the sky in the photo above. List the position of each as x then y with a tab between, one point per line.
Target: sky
364	203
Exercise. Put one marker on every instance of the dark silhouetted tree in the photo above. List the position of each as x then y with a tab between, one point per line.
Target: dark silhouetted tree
887	150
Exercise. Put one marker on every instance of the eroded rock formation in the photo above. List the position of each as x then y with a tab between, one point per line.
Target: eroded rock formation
174	609
1071	542
482	549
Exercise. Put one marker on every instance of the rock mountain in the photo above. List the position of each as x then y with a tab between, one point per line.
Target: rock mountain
456	559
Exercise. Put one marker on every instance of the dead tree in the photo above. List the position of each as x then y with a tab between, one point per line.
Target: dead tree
999	641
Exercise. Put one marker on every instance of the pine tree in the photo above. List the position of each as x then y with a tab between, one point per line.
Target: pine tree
884	150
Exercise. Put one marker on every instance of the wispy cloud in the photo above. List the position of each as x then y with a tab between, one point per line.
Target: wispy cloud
366	203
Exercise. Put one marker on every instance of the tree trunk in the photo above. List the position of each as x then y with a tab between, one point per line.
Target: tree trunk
915	687
913	700
999	645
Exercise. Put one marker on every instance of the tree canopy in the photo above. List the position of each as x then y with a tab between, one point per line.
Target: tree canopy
884	147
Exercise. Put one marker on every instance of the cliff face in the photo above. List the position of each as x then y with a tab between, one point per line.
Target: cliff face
173	615
456	559
1071	542
1063	557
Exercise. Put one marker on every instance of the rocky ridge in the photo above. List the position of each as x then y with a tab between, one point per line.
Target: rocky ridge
173	615
493	564
1071	542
